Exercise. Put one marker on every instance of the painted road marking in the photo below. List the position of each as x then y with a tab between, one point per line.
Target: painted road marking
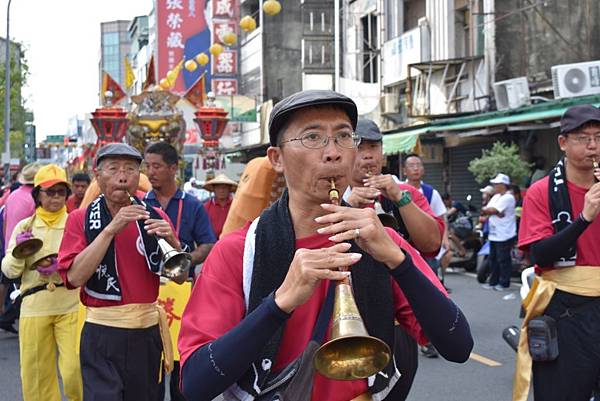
484	360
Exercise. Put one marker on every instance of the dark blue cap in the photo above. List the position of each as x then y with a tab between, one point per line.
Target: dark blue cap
577	116
308	98
368	130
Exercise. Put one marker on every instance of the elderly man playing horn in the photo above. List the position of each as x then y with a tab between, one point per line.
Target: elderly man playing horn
263	301
110	250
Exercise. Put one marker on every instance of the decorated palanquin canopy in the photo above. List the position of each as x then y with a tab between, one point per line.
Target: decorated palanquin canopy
155	119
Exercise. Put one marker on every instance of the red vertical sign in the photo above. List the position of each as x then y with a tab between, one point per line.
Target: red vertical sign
178	24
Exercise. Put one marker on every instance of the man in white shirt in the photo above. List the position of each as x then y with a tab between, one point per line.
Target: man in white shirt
414	171
503	231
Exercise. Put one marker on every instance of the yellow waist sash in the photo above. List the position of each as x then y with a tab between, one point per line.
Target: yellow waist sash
135	316
579	280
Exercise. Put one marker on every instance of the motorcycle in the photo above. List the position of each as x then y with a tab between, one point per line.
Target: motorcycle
465	240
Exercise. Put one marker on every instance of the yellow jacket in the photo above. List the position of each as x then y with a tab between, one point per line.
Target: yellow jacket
45	302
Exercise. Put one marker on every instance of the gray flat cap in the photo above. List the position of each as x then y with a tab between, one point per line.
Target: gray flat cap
118	150
368	130
308	98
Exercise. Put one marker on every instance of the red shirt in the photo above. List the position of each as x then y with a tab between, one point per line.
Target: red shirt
536	222
73	203
217	305
217	214
138	284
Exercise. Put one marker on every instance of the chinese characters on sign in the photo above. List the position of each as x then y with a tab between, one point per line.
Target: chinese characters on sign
225	65
224	87
181	33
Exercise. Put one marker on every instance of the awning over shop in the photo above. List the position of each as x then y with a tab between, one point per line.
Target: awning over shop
396	141
403	142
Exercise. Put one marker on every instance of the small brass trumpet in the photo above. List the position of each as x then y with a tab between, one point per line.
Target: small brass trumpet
27	244
351	353
173	262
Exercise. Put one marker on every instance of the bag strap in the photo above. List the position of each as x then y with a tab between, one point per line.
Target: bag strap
324	315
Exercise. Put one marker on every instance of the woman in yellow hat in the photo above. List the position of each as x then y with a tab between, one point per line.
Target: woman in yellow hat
48	321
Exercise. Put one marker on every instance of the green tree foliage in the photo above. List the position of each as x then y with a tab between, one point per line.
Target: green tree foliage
501	158
19	71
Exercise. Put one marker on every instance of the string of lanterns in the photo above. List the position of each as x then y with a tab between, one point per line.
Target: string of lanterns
247	24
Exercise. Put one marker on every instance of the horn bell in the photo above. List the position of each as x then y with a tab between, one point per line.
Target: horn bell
351	353
174	262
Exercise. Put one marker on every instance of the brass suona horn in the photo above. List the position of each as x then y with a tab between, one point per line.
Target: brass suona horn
387	220
173	262
27	245
351	353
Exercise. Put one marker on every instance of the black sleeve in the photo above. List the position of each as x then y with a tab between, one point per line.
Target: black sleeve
548	250
442	321
211	369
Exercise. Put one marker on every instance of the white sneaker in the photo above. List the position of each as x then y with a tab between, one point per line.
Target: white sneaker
486	286
500	288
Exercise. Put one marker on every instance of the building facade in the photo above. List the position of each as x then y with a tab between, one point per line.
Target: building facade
115	44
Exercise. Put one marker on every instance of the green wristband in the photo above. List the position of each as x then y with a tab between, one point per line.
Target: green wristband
404	200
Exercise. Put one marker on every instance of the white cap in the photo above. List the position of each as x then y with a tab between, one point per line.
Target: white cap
488	190
500	179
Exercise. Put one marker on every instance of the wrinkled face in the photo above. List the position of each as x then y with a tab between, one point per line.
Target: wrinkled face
369	161
308	171
413	169
222	191
582	146
54	198
79	188
117	178
159	172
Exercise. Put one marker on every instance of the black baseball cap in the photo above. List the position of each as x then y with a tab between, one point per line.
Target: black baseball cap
367	130
118	150
308	98
577	116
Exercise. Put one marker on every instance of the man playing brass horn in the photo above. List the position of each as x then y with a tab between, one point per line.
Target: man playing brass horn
110	250
254	310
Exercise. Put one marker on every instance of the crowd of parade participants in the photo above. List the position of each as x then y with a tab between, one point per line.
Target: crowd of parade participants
84	261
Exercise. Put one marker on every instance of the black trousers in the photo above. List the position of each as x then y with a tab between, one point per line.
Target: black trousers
120	364
407	362
574	374
173	384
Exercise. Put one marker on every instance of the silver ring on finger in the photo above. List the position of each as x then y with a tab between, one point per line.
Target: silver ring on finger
356	233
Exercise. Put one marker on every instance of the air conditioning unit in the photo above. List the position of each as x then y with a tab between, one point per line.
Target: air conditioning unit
390	103
512	93
579	79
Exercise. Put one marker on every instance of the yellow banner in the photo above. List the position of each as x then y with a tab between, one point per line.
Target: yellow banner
173	298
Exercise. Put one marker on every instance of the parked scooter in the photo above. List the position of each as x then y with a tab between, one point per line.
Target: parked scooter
465	240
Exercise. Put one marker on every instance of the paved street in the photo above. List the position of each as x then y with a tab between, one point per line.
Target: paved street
487	311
